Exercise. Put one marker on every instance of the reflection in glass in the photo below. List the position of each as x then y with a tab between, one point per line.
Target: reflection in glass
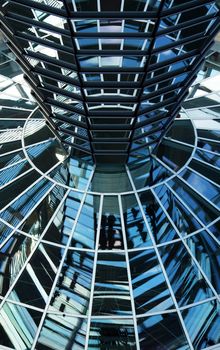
72	292
79	172
162	332
62	332
186	280
10	174
202	186
180	216
84	235
209	145
148	172
34	284
149	287
208	158
111	178
9	193
207	253
13	255
174	155
160	227
111	231
215	229
18	326
202	323
136	231
62	224
38	219
112	334
5	231
205	211
111	292
207	171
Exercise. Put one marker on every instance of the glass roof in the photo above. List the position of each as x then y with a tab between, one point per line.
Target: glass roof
111	75
106	256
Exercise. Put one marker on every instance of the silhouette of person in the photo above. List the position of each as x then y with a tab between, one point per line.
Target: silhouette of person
111	232
103	239
143	234
134	212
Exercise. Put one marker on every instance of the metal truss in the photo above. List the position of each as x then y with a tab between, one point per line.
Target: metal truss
109	83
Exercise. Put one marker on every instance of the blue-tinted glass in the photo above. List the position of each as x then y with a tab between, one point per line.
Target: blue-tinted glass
72	292
36	280
203	186
10	259
205	211
112	334
161	228
202	323
209	158
181	217
206	251
84	235
20	321
186	280
111	291
60	332
150	290
161	332
111	230
135	228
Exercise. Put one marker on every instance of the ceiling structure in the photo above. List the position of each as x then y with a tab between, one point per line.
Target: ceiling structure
111	257
109	76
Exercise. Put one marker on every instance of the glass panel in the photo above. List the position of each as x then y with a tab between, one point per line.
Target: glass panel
147	173
5	231
85	232
11	158
62	224
13	190
18	326
173	154
182	130
136	231
215	229
162	332
181	217
209	172
111	231
36	132
209	145
111	292
79	173
13	255
205	211
209	134
209	158
202	323
203	186
25	202
35	282
186	280
38	219
149	287
110	178
62	332
160	226
72	292
45	155
13	145
112	334
207	253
